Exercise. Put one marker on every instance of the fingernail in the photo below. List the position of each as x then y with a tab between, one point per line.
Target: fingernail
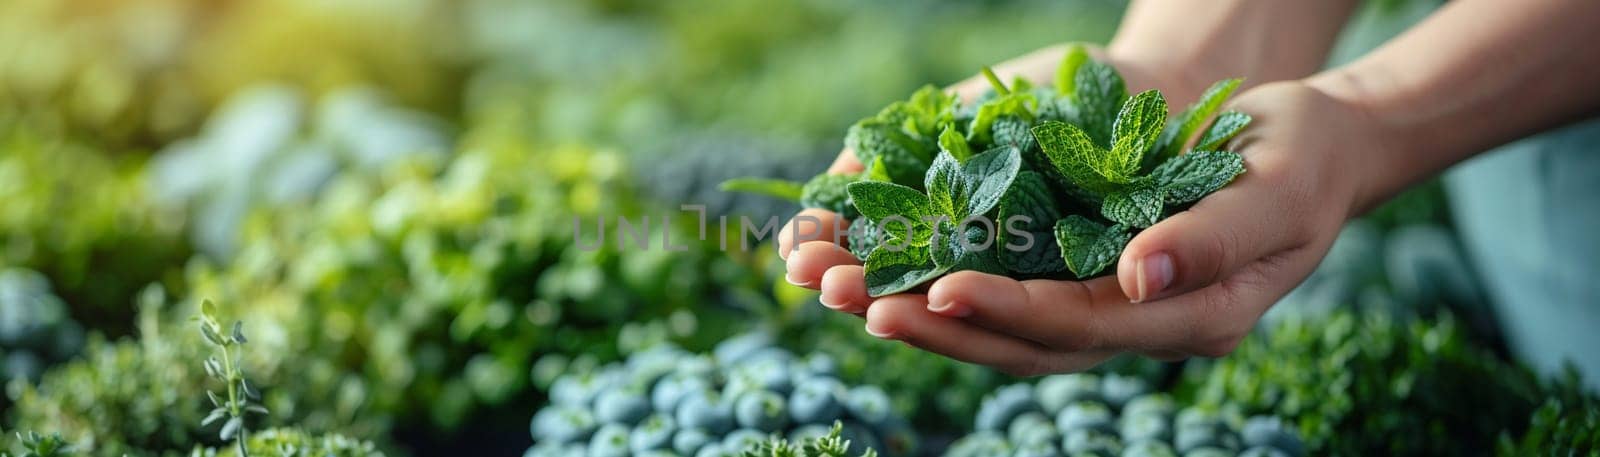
790	277
884	335
1154	275
950	309
823	298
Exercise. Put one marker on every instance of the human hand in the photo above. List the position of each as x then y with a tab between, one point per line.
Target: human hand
1193	284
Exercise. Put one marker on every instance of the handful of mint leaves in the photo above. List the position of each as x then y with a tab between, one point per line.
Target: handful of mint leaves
1082	165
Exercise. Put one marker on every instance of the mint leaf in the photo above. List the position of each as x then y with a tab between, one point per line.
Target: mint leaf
1138	207
1074	155
877	171
955	143
1225	128
965	248
1088	247
947	187
1188	177
1029	197
1018	104
1099	94
1136	130
923	116
863	237
778	188
988	176
881	201
1183	128
891	272
827	191
1067	71
1012	131
904	158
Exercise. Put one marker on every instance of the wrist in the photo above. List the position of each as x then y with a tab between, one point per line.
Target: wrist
1390	160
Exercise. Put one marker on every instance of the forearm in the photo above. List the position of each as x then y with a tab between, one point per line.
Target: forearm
1205	41
1475	75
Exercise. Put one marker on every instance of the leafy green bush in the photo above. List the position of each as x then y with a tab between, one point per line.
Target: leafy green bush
288	442
1362	384
35	330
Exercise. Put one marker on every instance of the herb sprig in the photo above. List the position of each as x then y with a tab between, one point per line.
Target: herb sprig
1081	162
236	403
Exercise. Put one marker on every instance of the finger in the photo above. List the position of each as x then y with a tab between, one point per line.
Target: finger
810	224
905	317
1245	221
844	288
808	263
846	163
1057	314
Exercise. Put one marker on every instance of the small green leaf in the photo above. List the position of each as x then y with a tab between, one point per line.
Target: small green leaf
1029	197
1225	128
231	428
1067	71
238	333
1012	131
1099	94
215	415
988	176
877	171
777	188
827	191
210	333
863	236
1074	155
208	309
947	187
904	157
1137	207
881	201
891	272
1137	128
955	143
965	248
1019	104
1187	123
1088	247
1189	177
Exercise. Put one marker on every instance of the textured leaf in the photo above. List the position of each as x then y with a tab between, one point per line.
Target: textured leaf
1099	93
1137	128
1029	196
863	236
1136	207
1227	125
891	272
904	158
970	248
777	188
1189	177
1013	131
231	428
1067	71
1018	104
1088	247
877	171
828	191
955	143
947	186
1073	154
1189	122
988	176
882	201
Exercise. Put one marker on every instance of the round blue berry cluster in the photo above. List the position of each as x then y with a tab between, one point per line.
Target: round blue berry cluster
665	401
1112	415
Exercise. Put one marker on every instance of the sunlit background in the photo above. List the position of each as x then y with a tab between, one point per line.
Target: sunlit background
383	193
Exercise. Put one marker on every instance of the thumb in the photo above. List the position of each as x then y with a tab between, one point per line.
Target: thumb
1208	243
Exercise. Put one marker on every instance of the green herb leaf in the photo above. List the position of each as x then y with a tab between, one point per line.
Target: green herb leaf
827	191
1225	128
891	272
1019	104
988	176
881	201
904	158
965	248
1188	177
863	236
777	188
955	143
877	171
1099	94
1029	197
1088	247
1137	207
1067	71
1012	131
1137	128
947	187
1074	155
1183	128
